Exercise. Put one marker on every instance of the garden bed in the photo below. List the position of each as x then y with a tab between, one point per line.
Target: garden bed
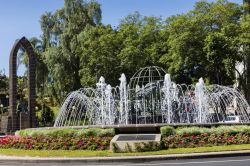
190	137
59	139
97	139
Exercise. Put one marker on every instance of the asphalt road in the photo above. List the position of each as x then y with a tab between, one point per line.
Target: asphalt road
228	161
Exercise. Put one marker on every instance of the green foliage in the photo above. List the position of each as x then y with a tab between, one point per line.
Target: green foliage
199	38
96	132
244	42
200	136
61	132
147	146
47	116
192	130
99	45
76	48
61	45
60	138
52	142
3	83
167	131
231	130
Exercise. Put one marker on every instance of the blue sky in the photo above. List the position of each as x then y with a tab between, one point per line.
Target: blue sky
21	17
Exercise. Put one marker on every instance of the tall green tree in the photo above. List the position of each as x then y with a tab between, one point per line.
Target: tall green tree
143	42
197	38
77	48
60	33
100	46
244	41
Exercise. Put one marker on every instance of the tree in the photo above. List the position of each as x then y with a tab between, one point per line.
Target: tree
245	39
61	45
143	42
244	42
3	83
76	48
47	116
195	40
222	55
100	46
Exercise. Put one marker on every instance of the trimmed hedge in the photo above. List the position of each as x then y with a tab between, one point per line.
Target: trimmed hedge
167	131
199	136
64	132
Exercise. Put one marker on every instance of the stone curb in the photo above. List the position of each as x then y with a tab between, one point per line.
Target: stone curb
135	159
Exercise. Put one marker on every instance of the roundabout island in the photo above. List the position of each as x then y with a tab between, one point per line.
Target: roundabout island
147	92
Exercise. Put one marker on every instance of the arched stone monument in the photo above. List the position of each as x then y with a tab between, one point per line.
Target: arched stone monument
24	120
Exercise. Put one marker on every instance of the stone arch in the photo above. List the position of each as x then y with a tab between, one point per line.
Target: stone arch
16	122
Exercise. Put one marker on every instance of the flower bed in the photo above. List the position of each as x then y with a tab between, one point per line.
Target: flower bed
63	139
198	137
99	139
56	143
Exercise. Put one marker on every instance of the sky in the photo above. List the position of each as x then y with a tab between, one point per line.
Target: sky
20	18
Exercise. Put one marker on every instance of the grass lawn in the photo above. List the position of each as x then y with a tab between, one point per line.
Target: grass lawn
87	153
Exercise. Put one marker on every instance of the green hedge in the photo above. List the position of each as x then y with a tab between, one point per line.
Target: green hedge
167	131
64	132
184	137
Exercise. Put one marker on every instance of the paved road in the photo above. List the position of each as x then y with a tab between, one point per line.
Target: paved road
229	161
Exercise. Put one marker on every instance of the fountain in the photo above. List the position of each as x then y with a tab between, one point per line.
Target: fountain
152	97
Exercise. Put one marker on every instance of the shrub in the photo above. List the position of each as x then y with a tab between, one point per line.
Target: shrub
106	133
231	130
47	116
56	143
60	138
66	132
199	136
96	132
147	146
167	131
192	130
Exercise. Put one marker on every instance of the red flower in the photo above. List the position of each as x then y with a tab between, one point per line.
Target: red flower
181	142
80	143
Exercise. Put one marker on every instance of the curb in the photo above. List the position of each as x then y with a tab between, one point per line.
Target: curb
134	159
